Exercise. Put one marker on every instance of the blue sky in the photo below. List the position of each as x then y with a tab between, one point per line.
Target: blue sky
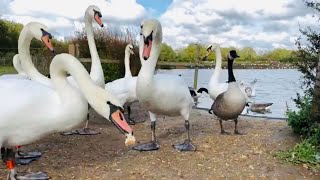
158	5
265	25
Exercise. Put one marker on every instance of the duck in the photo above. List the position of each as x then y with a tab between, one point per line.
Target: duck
160	94
30	110
125	88
259	107
229	104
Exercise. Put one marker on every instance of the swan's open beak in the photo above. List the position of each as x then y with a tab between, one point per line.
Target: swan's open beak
147	47
46	39
98	20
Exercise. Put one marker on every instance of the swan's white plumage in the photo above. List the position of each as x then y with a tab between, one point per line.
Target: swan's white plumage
125	88
160	94
30	110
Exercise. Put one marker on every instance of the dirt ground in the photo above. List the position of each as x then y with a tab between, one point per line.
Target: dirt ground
104	156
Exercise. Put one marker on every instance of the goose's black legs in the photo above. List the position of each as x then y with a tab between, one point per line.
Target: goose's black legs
236	127
152	145
187	144
221	127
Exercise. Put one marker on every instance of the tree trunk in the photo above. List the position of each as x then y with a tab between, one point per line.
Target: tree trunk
316	95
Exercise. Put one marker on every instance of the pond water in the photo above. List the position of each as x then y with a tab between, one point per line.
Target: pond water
277	86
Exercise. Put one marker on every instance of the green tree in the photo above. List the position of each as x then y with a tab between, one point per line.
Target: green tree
167	53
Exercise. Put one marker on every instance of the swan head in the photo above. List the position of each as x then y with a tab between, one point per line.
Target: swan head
107	105
93	13
210	48
129	49
150	37
40	32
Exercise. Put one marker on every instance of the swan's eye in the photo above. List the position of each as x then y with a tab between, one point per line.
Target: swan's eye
141	26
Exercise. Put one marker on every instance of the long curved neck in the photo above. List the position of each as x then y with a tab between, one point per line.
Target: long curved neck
96	72
127	64
17	64
24	54
217	69
66	63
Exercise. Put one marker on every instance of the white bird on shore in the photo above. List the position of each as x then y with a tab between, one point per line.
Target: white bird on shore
30	110
125	88
160	94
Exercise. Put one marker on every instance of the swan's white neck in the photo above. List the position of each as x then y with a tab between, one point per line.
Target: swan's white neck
127	64
217	69
146	73
96	72
17	64
24	53
97	97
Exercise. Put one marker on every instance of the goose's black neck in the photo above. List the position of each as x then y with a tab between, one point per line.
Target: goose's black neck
230	71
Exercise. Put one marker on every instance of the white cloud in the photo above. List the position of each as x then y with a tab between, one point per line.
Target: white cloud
66	16
262	25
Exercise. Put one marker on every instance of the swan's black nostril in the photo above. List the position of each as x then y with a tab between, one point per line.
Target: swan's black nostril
145	58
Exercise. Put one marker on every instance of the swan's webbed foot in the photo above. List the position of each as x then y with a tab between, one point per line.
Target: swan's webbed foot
84	131
185	146
69	133
34	176
150	146
25	158
87	131
223	132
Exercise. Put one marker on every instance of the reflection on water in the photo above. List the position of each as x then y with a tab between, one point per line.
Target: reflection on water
276	86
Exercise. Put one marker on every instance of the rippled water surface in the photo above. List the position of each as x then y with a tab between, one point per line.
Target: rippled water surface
276	86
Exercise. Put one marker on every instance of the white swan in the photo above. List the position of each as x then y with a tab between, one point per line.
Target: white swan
30	110
125	88
160	94
26	69
229	104
92	14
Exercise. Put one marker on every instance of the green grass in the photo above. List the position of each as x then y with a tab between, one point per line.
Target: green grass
7	70
305	153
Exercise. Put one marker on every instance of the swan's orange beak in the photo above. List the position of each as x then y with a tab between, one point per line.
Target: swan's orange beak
98	20
147	48
118	118
47	42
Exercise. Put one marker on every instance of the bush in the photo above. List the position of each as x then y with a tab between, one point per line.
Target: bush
301	121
